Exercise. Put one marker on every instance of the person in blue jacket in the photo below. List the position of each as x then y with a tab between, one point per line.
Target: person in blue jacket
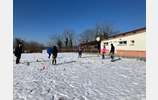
49	51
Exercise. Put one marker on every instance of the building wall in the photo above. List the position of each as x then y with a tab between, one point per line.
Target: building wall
129	49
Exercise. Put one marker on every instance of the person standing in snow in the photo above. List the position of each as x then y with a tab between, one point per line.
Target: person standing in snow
54	54
49	51
18	52
80	50
112	51
103	51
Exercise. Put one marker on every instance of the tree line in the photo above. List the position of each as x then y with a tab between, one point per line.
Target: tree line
69	38
29	46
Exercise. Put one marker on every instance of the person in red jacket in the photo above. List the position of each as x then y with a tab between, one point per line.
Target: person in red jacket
103	51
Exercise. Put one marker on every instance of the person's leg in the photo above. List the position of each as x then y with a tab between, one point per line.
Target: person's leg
17	59
103	56
112	57
79	54
53	60
49	55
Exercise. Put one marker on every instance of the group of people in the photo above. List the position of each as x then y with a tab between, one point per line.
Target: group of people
111	53
54	51
103	51
19	50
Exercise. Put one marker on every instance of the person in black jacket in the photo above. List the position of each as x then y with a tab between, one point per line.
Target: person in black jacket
18	52
112	52
80	50
54	53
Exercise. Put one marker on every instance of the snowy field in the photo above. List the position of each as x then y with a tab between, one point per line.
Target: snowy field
73	78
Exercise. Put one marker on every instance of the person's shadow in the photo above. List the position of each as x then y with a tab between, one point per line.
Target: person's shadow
115	59
89	56
65	62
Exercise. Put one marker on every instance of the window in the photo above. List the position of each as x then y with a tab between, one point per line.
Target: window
132	43
106	43
122	43
115	41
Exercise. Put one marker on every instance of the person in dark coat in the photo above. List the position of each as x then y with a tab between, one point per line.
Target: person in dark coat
18	52
54	54
49	51
112	52
80	50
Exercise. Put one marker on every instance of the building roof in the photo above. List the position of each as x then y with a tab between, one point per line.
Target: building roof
136	31
128	33
89	43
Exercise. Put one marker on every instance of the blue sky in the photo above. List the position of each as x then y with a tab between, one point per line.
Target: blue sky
38	19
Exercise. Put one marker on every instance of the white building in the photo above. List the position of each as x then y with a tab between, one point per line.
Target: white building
128	44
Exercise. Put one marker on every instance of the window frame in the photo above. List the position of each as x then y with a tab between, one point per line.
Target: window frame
122	43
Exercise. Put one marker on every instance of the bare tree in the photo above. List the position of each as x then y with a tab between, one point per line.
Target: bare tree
69	37
104	30
33	46
101	30
65	37
59	43
88	35
66	42
16	41
55	39
29	46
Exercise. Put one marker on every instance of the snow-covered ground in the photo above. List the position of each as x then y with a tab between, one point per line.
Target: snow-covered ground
73	78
